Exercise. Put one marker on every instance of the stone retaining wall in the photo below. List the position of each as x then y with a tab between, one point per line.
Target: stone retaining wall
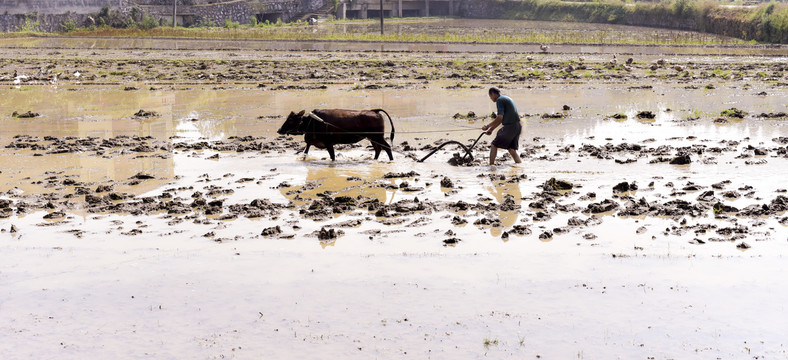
52	13
54	7
46	22
240	12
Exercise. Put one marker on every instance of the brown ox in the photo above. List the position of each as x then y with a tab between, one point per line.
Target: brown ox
325	128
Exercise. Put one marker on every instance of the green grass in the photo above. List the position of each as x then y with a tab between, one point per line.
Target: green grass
534	73
15	35
489	342
722	74
733	112
590	75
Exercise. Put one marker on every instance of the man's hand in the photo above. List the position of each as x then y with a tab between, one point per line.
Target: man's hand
485	127
489	132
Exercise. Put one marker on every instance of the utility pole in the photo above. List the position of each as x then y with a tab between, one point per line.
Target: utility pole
174	19
381	17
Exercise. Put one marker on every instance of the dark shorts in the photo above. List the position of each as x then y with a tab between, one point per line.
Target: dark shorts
508	137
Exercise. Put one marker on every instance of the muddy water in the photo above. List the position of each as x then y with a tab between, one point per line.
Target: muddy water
175	284
206	113
421	117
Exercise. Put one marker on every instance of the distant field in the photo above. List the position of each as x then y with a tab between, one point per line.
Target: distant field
426	31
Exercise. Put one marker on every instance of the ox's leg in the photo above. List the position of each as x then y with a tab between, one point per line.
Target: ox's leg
387	147
377	148
306	150
379	143
330	148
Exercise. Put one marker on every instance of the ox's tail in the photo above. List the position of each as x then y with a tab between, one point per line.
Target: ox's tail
391	121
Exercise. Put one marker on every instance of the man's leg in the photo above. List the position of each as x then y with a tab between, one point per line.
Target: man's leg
515	156
493	154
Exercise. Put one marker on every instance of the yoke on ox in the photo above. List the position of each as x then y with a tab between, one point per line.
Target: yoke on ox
325	128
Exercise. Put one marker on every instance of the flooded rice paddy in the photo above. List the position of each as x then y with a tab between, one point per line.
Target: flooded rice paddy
431	36
513	31
191	229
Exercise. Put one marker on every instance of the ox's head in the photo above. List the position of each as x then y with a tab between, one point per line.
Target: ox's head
294	125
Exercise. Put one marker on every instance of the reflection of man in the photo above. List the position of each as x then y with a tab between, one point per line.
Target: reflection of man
509	135
509	212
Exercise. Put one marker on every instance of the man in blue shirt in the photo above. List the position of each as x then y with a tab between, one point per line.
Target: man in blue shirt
509	135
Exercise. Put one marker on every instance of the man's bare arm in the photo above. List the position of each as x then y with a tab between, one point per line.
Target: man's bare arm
490	127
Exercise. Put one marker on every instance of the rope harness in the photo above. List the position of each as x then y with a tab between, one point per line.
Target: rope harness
342	131
467	154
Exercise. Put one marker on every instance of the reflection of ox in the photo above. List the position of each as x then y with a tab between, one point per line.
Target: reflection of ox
324	128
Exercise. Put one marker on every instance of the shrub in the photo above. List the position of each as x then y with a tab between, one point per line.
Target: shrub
205	22
136	14
69	25
114	18
684	8
148	22
771	23
29	26
229	24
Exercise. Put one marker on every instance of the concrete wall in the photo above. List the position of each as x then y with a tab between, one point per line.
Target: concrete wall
52	13
395	8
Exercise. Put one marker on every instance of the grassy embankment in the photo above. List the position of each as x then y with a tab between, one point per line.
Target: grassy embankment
767	23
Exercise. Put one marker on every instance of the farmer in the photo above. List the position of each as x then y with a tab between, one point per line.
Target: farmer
508	136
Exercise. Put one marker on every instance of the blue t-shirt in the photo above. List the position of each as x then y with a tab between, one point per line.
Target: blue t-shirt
508	110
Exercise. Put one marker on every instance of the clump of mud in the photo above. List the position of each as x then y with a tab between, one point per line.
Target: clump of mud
25	115
646	115
553	199
734	113
143	113
555	184
461	160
